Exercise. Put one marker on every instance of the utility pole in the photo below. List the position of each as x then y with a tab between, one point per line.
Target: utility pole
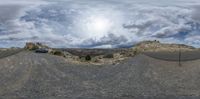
179	58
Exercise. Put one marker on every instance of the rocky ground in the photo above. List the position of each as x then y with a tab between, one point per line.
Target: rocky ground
109	74
29	75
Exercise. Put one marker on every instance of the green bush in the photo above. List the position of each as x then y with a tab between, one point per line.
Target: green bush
88	58
135	52
58	53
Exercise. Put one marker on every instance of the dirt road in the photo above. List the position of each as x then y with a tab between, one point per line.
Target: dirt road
174	56
9	52
28	75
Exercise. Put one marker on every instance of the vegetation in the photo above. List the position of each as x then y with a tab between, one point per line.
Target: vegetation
58	53
88	58
135	52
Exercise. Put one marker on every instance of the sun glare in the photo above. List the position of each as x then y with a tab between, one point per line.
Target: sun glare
98	25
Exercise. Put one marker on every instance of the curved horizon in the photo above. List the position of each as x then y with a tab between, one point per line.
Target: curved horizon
98	23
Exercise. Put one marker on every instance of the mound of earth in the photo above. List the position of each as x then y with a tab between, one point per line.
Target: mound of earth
29	75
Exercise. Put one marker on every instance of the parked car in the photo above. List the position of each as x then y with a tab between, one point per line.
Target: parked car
41	50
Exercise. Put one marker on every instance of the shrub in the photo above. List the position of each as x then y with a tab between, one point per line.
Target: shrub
88	58
135	52
58	53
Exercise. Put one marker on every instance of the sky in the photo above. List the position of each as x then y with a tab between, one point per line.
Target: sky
98	23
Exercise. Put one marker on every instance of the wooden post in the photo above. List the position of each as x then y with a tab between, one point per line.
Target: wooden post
180	55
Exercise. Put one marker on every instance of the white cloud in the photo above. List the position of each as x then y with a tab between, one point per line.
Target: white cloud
64	23
22	2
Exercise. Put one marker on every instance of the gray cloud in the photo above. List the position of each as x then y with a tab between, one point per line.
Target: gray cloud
59	22
110	40
196	13
9	12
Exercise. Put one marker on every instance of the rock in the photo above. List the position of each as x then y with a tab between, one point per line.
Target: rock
35	46
40	45
31	46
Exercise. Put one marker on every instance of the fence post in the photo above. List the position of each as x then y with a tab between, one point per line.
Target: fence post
180	56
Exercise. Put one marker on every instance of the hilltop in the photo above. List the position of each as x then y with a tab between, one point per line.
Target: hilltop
156	46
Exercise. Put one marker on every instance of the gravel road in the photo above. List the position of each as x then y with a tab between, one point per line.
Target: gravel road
174	56
28	75
9	52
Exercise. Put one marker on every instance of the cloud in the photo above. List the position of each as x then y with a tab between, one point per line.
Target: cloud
5	12
63	23
196	13
22	2
109	40
13	31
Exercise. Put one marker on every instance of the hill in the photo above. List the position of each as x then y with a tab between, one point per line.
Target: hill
156	46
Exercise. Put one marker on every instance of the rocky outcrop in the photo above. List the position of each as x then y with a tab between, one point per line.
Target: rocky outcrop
31	46
35	46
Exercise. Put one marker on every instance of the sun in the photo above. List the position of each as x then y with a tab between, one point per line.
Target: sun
98	25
